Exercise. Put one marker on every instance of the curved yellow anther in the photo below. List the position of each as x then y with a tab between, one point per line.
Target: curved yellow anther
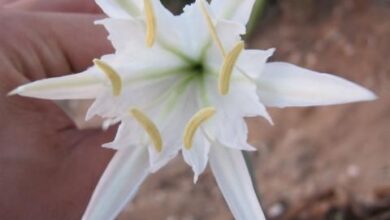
112	75
150	23
211	27
194	123
149	126
227	67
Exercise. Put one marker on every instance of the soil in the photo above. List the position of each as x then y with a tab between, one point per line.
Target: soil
314	163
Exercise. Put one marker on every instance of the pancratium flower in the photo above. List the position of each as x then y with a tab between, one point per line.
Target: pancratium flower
185	83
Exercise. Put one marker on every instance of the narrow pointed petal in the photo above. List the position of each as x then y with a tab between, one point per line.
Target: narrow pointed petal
235	10
285	85
77	86
232	176
119	183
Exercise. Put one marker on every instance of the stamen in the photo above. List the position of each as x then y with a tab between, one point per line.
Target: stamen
150	23
150	128
112	75
227	67
194	123
211	27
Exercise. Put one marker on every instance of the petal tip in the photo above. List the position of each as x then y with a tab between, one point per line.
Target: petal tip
101	21
251	148
364	95
196	178
371	96
271	51
92	112
16	91
107	145
268	118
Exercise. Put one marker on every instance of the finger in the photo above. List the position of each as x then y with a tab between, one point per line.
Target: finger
4	2
51	44
78	38
82	6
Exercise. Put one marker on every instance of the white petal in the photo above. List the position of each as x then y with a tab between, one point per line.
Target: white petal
284	85
252	62
167	25
160	159
228	125
235	10
172	116
232	176
195	32
232	132
121	8
132	53
120	181
125	33
197	156
129	133
77	86
140	93
229	34
242	93
131	33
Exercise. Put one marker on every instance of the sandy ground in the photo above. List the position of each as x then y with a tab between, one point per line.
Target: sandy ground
330	156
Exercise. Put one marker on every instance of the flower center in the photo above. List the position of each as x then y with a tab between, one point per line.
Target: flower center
197	68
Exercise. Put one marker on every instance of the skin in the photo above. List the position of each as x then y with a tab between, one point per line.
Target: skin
48	168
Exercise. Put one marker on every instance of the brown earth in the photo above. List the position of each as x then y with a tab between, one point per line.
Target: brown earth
315	163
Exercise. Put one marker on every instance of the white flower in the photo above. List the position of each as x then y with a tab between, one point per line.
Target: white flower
185	83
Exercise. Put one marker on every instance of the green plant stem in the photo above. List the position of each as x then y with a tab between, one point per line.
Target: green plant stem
257	12
249	164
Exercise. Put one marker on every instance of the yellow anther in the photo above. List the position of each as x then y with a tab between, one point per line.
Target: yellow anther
150	23
112	75
194	123
149	126
227	67
211	27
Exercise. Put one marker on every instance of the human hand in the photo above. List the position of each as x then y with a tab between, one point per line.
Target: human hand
48	168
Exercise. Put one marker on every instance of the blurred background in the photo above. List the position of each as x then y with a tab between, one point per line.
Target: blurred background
330	163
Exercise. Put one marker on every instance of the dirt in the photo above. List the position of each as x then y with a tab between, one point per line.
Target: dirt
314	163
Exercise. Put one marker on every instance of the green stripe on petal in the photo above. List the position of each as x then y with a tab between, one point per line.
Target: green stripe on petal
77	86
